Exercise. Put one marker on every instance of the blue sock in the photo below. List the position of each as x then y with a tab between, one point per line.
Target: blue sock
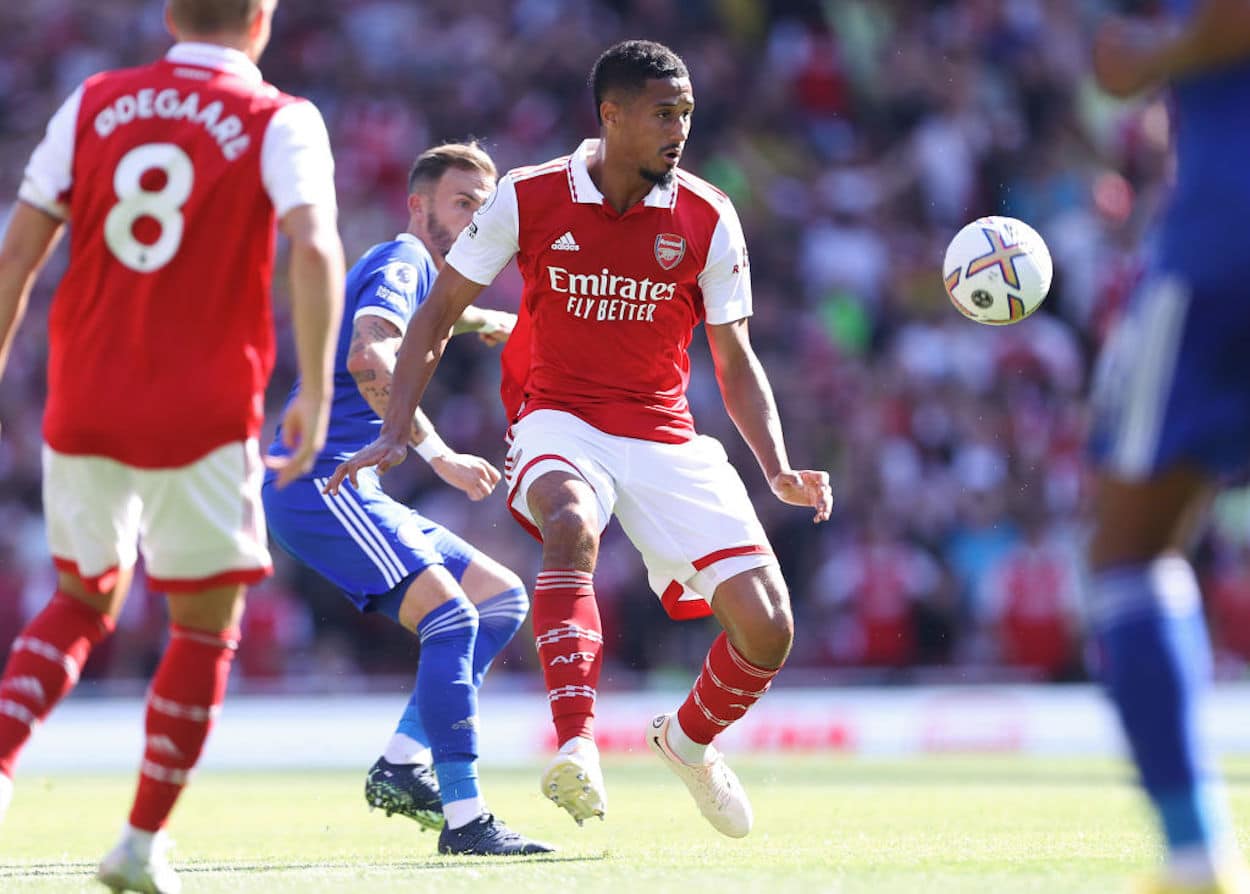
446	697
1157	669
498	620
410	721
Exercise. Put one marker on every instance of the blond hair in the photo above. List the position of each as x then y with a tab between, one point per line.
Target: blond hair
433	163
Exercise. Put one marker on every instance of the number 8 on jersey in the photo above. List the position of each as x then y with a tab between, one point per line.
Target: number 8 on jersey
136	202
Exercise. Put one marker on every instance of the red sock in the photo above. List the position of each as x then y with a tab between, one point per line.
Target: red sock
727	686
44	663
185	697
569	638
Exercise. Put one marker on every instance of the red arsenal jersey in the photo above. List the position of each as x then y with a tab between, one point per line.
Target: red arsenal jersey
170	175
610	300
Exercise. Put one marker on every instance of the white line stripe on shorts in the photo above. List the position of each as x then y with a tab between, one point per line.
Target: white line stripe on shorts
368	526
389	574
1150	388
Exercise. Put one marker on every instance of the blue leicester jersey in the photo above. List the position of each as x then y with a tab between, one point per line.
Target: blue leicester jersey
390	281
1204	224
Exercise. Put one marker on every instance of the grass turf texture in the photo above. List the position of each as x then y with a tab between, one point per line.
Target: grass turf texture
936	826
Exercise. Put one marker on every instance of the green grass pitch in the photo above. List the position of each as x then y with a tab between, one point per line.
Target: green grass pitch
931	826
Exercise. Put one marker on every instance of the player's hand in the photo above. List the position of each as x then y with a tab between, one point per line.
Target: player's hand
384	452
1124	55
303	434
471	474
805	488
497	327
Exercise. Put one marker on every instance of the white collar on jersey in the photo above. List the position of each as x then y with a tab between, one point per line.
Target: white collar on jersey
584	190
212	55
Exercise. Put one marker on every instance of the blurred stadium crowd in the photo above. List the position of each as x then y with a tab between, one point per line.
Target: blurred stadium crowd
855	137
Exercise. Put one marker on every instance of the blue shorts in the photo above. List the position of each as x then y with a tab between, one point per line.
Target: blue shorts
362	540
1173	382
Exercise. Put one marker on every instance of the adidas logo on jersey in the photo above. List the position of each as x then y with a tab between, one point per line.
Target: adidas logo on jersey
566	243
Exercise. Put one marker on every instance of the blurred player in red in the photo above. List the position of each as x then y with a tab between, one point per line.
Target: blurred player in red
622	256
160	346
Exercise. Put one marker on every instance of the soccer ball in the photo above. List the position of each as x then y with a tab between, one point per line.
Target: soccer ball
997	270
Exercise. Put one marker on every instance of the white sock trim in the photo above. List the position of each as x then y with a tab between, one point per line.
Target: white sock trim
683	746
580	743
140	840
403	749
462	812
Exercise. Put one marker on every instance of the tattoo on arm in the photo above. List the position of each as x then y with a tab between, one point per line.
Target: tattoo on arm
369	331
374	335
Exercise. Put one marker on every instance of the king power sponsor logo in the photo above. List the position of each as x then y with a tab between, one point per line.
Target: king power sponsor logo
608	296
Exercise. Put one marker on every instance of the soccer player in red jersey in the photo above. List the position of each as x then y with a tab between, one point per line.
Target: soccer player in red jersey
622	255
172	176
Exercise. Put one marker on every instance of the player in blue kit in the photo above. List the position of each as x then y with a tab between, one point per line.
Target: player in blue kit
1172	420
463	606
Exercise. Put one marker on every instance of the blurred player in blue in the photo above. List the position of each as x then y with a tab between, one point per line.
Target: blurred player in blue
462	605
1172	405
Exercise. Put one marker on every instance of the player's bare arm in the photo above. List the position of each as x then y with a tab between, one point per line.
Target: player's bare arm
749	400
1131	55
28	240
421	349
492	326
371	361
317	271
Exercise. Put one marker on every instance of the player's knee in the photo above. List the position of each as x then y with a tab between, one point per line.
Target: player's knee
771	638
509	582
215	609
571	530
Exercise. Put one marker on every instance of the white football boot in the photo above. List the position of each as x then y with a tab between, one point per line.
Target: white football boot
127	868
714	787
574	781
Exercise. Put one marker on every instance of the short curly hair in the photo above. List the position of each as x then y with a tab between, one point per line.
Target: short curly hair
628	65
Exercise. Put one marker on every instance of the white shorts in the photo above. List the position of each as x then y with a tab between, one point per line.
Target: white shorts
682	505
200	525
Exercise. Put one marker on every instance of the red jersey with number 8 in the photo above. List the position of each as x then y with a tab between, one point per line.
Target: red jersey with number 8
161	337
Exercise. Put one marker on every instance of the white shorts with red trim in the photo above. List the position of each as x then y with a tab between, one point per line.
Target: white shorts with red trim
200	525
682	505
